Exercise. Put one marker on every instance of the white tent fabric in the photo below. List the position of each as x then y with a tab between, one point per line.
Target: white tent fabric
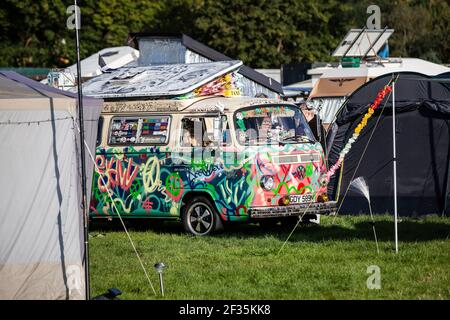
41	229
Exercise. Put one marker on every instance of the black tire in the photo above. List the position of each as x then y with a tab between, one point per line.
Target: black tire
200	217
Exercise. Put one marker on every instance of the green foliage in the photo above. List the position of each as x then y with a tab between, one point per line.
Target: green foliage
264	33
271	32
421	27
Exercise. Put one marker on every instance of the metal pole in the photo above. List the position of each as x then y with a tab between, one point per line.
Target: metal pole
83	159
161	284
395	165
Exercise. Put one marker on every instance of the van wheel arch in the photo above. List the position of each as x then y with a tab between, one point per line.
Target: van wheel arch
191	195
204	200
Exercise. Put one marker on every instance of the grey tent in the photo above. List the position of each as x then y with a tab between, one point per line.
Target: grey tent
41	229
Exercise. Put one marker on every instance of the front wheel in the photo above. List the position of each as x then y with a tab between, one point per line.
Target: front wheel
200	217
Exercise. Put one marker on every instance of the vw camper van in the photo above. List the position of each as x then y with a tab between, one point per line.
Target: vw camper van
207	161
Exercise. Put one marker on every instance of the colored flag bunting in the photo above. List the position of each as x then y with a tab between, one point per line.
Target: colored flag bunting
358	130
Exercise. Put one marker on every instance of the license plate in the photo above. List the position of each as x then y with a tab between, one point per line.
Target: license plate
302	198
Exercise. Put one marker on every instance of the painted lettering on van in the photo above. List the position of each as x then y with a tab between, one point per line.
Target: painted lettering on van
150	175
116	173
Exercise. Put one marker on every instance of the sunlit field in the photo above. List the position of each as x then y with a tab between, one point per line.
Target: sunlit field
329	261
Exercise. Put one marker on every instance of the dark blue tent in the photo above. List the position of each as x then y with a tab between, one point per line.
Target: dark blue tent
443	78
423	144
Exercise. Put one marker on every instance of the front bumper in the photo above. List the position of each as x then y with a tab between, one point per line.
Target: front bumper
316	208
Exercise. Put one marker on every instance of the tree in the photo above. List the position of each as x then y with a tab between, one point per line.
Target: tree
269	33
263	33
35	33
421	27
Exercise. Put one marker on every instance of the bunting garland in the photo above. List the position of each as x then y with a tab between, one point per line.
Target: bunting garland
358	129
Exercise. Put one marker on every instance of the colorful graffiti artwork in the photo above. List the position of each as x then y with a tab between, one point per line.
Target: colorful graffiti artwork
153	181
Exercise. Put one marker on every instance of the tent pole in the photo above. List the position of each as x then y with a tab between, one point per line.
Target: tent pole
83	159
395	165
446	192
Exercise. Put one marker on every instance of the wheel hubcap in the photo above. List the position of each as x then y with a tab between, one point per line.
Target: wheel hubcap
200	219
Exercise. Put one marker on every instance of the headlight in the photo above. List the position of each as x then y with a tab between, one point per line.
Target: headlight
322	198
267	182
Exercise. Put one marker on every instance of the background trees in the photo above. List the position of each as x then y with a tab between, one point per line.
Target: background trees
264	33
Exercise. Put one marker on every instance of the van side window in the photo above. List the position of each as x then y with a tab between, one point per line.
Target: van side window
148	130
200	132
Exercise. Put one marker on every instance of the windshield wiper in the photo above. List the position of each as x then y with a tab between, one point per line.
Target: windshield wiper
288	140
297	138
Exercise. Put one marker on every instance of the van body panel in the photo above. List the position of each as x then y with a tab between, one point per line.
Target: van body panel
151	181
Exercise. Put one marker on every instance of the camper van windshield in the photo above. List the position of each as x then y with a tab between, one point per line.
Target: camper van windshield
274	124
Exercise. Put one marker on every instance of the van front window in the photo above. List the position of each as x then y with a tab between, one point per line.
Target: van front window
272	124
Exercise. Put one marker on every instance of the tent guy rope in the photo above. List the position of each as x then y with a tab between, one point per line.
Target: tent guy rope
109	191
295	227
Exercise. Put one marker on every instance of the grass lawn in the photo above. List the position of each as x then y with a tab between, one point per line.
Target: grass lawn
319	262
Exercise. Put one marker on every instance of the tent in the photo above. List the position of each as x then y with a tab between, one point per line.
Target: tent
423	144
336	84
41	229
443	78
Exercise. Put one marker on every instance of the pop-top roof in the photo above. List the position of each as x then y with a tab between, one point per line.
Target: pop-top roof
158	80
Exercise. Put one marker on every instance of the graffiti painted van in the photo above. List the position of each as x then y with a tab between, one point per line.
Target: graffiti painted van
207	161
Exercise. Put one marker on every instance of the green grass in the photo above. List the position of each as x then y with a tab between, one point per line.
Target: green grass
319	262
